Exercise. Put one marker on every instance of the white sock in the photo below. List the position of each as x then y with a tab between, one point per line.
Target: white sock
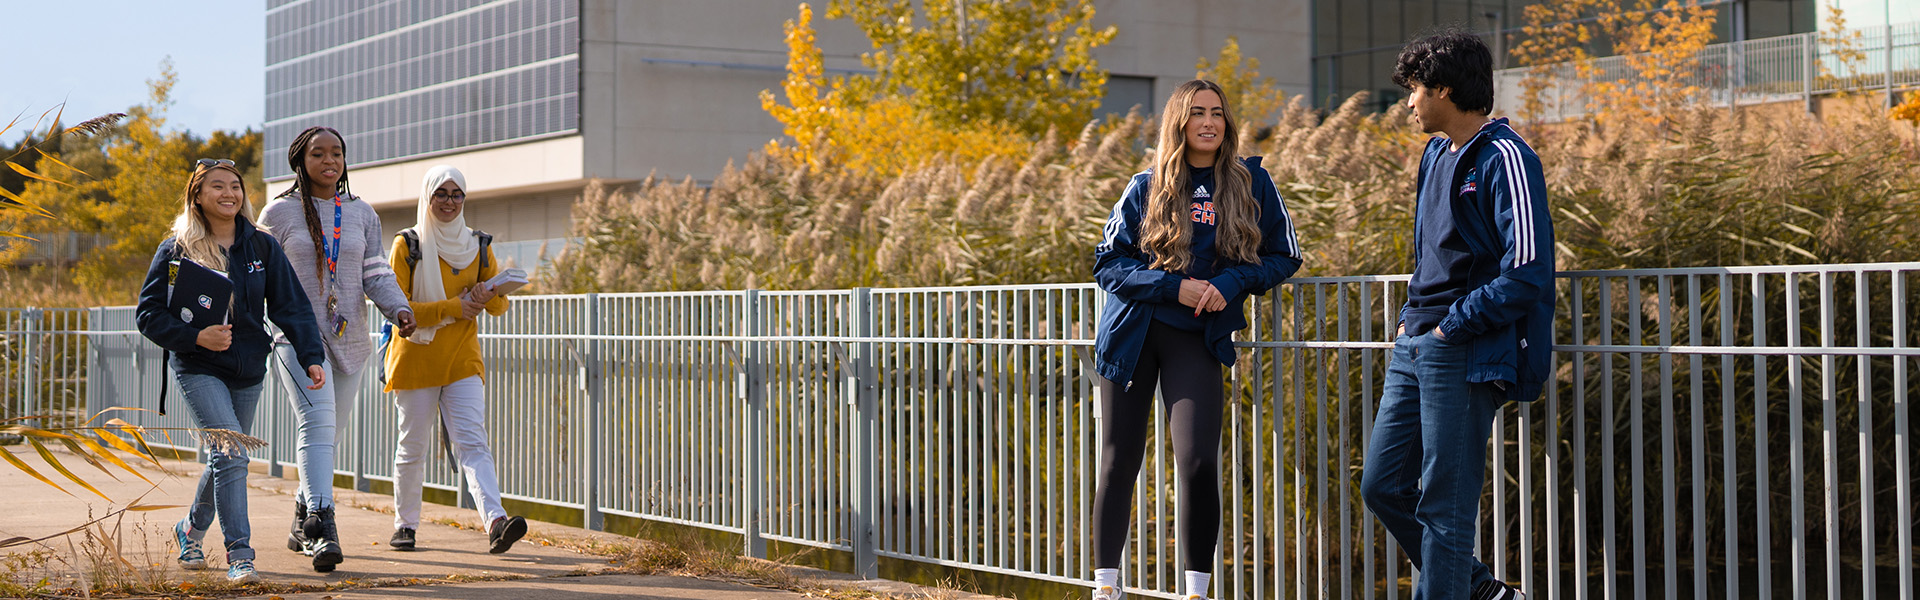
1198	583
1106	577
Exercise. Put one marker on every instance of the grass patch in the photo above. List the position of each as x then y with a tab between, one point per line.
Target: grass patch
109	561
688	554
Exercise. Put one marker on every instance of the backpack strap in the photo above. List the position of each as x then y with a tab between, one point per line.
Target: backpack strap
166	355
486	240
413	247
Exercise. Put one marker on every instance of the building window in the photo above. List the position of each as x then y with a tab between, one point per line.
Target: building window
1125	92
401	79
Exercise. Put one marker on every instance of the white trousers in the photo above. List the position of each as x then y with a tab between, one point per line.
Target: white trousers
463	406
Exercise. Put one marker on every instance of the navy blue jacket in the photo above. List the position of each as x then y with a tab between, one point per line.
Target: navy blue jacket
260	274
1134	291
1500	209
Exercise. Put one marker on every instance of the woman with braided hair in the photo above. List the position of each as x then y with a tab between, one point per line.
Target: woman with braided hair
333	241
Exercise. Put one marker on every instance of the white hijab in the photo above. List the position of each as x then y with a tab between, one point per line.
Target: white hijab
452	242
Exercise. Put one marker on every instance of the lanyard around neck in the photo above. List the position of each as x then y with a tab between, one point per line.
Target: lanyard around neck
333	249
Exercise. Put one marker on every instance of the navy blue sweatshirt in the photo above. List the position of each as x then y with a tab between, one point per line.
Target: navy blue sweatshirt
1443	263
1137	292
262	277
1206	220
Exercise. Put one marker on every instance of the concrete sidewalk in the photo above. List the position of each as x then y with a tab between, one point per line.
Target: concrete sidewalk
585	587
35	510
31	509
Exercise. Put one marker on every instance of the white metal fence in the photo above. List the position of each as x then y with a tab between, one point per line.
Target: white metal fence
1677	453
1776	69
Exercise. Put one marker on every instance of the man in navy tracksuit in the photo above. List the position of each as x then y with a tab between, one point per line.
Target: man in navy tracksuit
1476	331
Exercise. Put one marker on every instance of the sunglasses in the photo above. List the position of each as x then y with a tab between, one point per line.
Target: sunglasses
213	162
442	195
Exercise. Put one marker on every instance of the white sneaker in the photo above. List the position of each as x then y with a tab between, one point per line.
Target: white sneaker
1107	592
192	555
242	572
1195	597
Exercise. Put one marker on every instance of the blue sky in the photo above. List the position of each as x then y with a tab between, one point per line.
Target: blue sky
97	55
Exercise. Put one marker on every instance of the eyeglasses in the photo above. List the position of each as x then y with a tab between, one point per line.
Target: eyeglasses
443	196
213	162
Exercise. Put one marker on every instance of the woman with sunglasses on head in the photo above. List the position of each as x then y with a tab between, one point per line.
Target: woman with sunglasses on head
333	237
1188	242
220	367
437	375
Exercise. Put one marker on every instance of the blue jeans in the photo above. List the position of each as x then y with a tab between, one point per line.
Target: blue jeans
1425	463
320	416
217	404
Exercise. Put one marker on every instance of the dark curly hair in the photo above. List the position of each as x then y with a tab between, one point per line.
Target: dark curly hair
1454	59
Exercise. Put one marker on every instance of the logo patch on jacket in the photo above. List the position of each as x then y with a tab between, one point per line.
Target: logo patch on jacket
1472	184
256	266
1203	206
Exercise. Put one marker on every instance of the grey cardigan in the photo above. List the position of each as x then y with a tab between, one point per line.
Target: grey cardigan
363	271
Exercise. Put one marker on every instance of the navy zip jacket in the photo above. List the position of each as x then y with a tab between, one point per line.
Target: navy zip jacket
1500	210
260	273
1135	291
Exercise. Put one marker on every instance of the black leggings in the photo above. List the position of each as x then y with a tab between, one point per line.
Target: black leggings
1190	381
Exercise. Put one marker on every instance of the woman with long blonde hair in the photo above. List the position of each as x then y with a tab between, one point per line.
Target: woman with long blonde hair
1186	244
220	366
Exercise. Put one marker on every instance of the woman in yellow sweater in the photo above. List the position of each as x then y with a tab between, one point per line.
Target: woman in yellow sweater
437	375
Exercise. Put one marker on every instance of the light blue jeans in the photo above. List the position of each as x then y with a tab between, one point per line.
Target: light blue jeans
320	419
1425	464
217	404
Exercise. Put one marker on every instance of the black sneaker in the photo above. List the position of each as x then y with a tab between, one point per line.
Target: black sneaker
504	532
323	541
1497	590
297	541
402	539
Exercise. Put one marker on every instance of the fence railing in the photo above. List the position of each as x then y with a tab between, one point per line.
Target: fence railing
1677	452
1775	69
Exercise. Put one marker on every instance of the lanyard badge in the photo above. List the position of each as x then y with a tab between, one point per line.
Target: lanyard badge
335	322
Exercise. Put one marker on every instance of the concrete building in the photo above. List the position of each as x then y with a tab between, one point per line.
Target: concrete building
534	98
1355	42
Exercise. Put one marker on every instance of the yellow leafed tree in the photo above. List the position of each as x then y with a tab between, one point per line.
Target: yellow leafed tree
840	124
1255	99
1028	63
1659	44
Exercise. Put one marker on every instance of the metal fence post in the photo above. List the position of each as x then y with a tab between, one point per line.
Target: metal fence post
861	395
29	369
360	426
1733	90
753	428
93	370
591	384
1806	63
274	387
1886	47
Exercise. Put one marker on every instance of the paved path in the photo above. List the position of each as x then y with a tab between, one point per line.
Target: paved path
29	508
590	587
